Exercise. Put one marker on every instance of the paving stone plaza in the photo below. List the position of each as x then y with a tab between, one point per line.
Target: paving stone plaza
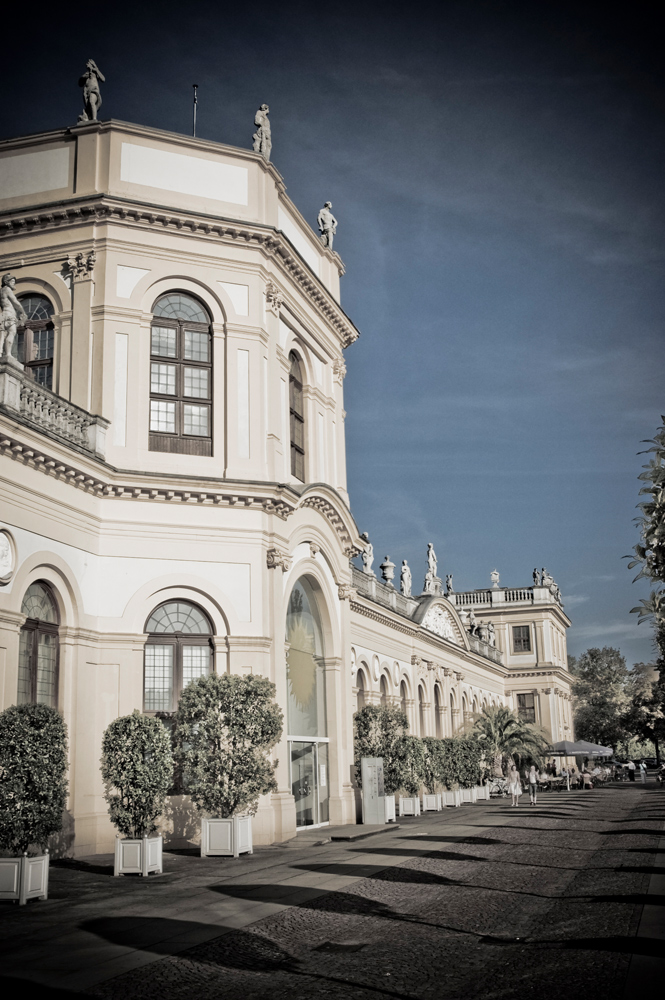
483	901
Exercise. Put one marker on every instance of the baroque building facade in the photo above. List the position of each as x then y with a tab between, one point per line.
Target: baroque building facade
174	496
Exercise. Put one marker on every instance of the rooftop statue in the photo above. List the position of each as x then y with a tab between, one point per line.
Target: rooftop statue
327	225
262	137
12	313
92	98
406	580
449	583
536	578
432	582
367	555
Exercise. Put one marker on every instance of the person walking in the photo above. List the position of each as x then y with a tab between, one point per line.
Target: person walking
514	785
643	772
533	784
631	770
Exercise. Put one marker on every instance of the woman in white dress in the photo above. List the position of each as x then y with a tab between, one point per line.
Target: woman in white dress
514	785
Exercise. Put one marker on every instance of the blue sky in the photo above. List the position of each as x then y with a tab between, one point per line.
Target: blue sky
496	170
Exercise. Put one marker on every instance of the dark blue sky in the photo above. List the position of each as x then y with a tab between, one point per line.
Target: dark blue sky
496	170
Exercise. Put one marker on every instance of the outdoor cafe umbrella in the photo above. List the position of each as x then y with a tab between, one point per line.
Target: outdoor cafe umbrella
565	748
594	750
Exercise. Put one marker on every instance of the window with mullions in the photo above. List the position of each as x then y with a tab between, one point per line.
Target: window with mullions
526	707
179	649
297	419
38	648
180	377
521	639
33	346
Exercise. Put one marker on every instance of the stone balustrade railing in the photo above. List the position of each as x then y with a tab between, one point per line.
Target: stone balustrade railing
370	587
484	648
35	405
473	599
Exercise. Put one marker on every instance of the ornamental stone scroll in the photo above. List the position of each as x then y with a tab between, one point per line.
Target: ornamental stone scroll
276	558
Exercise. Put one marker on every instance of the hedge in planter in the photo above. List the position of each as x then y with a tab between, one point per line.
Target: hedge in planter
413	768
453	762
33	783
379	732
226	726
137	770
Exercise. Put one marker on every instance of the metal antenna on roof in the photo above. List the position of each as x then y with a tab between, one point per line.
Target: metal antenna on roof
196	101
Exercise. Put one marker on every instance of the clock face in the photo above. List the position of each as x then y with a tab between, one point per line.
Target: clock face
7	558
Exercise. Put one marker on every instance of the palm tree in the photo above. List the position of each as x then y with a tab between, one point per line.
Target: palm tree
505	735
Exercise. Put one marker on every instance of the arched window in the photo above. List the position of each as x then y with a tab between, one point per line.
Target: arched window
403	696
297	418
35	342
421	710
383	687
305	663
179	649
180	376
38	648
360	686
437	712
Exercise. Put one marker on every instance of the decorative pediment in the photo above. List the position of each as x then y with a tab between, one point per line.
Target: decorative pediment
439	617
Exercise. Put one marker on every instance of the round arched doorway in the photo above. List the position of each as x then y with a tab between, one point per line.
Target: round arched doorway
306	706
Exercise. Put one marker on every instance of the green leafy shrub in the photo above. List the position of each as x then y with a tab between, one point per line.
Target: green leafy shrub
433	757
452	762
378	731
33	769
226	726
137	770
414	757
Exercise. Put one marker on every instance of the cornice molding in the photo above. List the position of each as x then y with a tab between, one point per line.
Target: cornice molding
110	209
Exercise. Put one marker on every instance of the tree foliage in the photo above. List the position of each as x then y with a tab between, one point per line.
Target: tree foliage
650	551
414	756
33	770
226	726
379	732
503	736
137	771
644	719
601	699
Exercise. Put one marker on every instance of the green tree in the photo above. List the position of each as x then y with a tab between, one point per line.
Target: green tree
137	771
644	718
650	550
414	757
226	726
379	731
33	770
600	693
502	736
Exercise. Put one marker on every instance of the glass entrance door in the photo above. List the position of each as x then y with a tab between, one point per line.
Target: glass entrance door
309	782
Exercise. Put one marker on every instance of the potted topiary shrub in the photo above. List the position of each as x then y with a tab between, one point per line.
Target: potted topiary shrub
137	770
378	732
413	751
33	790
226	726
432	799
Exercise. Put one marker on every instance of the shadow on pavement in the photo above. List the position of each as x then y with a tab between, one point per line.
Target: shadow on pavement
13	988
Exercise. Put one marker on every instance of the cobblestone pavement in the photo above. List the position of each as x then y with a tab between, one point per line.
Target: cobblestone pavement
540	902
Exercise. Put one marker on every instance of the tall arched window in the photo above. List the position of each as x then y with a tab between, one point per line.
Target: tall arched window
403	696
421	710
383	687
180	376
38	648
437	712
297	418
179	649
34	346
360	687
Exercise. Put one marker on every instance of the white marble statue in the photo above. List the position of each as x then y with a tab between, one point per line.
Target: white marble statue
262	137
432	562
449	583
494	577
491	635
473	624
405	579
327	225
92	98
13	313
536	578
547	578
367	555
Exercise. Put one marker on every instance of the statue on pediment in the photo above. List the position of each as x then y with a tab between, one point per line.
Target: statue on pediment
449	583
13	313
92	98
367	555
263	136
327	225
536	578
406	579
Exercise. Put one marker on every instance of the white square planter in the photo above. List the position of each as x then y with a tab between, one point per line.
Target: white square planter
482	793
389	801
432	803
409	805
24	878
226	837
137	857
467	794
452	798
